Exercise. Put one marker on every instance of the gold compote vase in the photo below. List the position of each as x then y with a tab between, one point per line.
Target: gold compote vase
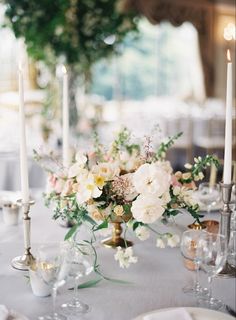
116	240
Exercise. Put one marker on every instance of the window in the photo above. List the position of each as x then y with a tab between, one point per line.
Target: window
161	61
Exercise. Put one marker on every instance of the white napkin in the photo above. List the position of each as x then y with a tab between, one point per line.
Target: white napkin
3	312
173	314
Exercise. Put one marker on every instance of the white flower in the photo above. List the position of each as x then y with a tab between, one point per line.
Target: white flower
125	257
87	189
74	170
166	197
80	158
107	170
142	233
119	210
129	162
173	240
151	179
200	175
160	243
165	165
186	175
188	166
147	208
176	190
187	196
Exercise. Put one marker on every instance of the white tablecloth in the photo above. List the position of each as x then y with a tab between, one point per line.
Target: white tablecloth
156	280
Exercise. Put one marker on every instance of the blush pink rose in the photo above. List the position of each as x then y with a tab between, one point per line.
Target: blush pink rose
174	181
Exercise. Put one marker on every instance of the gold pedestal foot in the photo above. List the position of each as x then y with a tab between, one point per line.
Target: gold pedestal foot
23	262
110	243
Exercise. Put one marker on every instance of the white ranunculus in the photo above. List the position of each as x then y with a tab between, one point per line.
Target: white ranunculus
173	240
87	189
147	208
107	170
160	243
151	179
142	233
125	257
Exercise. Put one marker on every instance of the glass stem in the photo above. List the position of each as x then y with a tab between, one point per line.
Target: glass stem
54	297
210	288
197	284
76	298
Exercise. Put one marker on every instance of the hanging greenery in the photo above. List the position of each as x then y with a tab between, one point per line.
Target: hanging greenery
81	31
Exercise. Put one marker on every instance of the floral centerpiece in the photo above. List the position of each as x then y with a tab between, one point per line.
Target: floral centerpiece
129	183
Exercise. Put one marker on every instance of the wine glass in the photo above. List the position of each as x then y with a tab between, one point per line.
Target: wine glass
81	259
52	267
209	194
213	255
190	242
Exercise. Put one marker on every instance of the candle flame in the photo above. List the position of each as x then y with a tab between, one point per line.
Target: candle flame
63	68
228	56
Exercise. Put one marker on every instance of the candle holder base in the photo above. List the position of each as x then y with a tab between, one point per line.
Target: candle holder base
23	262
228	271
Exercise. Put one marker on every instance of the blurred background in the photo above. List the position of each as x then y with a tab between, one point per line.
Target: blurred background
149	65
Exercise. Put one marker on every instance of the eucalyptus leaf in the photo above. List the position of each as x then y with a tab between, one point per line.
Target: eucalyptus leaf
88	284
103	225
118	281
71	232
89	219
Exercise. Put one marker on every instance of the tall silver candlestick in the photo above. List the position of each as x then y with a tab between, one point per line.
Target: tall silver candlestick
23	262
226	189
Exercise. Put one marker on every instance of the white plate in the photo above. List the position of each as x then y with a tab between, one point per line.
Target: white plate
196	314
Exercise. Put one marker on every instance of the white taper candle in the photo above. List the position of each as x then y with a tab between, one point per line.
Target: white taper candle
23	148
228	123
65	119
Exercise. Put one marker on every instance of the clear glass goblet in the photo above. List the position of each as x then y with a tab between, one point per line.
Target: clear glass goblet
51	265
213	255
81	259
190	243
209	194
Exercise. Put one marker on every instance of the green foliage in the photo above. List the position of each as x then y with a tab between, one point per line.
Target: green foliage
73	29
72	231
164	146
